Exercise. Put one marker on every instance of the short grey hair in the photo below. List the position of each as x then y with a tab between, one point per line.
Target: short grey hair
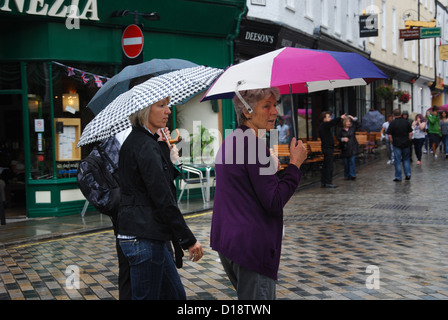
252	97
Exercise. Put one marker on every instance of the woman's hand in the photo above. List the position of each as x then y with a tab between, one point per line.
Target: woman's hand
298	153
174	154
196	252
163	137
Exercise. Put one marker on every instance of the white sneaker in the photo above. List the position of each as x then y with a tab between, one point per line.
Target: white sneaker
389	162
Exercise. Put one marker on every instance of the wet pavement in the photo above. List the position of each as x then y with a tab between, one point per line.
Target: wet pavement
368	239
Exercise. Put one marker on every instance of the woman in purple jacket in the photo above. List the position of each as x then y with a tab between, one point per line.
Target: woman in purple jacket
250	194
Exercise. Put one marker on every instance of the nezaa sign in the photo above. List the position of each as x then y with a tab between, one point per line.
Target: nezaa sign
53	8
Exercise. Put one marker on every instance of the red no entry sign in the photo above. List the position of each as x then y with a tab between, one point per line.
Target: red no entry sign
132	41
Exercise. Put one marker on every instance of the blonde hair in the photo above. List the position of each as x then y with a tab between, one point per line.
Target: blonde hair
140	118
345	121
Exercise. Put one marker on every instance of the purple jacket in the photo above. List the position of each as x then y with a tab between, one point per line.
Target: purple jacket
247	222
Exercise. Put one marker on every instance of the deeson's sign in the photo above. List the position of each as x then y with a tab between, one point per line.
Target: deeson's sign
53	8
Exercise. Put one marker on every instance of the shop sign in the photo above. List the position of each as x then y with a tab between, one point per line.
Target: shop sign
443	52
410	34
368	26
259	37
52	8
430	32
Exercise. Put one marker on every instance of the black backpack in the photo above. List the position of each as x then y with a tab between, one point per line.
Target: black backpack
98	177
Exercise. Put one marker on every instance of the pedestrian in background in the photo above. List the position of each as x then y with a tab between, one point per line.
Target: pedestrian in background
349	145
283	131
434	132
418	136
389	148
148	216
247	222
327	142
400	135
444	130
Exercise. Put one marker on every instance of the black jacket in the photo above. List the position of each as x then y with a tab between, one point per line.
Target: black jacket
148	206
350	148
325	134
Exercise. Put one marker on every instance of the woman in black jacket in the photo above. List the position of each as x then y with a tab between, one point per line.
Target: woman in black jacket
349	146
149	216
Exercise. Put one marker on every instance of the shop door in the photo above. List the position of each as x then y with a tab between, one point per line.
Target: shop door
12	168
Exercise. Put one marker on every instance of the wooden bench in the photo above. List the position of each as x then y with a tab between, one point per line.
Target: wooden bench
363	141
281	151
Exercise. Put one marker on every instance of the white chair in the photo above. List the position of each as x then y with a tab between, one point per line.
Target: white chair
186	179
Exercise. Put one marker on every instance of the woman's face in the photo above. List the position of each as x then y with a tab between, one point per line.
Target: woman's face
158	116
264	115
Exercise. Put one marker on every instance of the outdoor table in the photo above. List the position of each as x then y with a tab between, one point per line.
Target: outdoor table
208	168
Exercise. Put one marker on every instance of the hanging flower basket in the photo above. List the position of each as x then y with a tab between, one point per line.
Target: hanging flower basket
385	92
403	96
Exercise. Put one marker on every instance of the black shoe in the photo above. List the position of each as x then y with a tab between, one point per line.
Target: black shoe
352	178
408	177
397	180
329	185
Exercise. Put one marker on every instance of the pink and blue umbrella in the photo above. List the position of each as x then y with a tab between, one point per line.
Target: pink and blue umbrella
296	70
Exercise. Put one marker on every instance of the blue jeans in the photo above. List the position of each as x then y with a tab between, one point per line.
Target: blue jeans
445	143
153	273
350	167
405	155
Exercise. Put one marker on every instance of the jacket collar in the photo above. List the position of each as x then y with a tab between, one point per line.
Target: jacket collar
155	136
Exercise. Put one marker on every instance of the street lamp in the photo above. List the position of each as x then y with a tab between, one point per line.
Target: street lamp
150	16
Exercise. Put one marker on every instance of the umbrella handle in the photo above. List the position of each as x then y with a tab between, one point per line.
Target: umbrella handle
172	141
238	94
178	137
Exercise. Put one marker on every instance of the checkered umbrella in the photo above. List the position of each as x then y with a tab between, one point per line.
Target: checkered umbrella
178	85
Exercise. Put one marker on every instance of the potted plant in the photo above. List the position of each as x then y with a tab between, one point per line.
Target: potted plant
385	91
403	96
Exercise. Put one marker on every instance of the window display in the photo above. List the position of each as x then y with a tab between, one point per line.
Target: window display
57	100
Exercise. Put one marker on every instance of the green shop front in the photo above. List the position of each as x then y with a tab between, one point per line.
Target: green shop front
54	57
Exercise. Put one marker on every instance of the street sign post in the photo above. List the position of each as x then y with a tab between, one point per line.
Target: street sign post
132	45
420	33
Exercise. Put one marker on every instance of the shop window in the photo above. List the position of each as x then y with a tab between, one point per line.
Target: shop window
10	76
39	108
70	95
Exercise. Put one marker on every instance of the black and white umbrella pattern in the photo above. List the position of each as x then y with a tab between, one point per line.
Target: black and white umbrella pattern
179	85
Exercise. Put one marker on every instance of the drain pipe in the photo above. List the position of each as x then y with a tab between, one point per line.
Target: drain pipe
230	39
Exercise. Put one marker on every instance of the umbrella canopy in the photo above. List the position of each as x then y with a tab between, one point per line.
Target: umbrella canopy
373	121
179	85
120	82
443	108
296	70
